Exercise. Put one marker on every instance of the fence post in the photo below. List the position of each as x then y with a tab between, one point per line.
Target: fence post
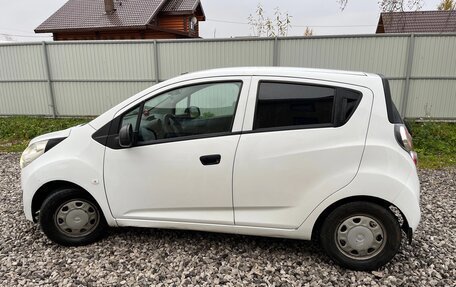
408	72
49	79
275	52
157	74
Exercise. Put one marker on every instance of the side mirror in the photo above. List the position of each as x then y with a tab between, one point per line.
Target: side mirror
126	136
193	112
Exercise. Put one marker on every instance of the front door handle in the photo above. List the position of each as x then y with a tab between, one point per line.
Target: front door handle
210	159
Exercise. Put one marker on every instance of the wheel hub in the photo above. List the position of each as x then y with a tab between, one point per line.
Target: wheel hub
77	218
360	237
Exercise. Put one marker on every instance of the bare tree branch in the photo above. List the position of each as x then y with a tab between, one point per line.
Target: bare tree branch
308	32
447	5
392	5
261	25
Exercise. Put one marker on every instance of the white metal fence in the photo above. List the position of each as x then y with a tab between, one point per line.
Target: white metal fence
87	77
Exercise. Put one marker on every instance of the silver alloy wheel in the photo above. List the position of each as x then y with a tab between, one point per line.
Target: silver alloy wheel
77	218
360	237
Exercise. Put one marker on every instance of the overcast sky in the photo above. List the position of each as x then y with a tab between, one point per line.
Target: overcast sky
18	18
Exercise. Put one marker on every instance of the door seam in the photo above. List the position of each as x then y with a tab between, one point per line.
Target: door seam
235	151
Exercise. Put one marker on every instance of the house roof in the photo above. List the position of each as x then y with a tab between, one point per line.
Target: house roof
417	22
83	15
180	6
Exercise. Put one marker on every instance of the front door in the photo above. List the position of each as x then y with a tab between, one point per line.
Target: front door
180	169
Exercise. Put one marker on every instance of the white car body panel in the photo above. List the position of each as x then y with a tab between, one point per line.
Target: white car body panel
361	158
280	176
172	184
166	178
78	160
53	135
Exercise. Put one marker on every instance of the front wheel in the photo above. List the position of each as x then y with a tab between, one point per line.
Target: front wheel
361	235
70	217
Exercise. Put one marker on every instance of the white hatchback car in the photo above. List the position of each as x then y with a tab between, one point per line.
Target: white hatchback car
281	152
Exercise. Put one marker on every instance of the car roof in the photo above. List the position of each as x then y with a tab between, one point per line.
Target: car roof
272	71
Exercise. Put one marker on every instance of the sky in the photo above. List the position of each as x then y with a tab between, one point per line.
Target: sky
225	19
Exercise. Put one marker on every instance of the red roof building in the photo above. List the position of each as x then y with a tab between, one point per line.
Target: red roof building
417	22
124	19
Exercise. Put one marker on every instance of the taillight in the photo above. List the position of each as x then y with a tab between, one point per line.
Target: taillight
404	139
414	156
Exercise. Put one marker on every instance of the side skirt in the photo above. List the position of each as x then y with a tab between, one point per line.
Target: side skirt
219	228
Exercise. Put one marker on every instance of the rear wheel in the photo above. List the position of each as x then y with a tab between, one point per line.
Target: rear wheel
70	217
361	235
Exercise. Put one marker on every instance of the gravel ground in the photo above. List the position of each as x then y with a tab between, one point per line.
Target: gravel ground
144	257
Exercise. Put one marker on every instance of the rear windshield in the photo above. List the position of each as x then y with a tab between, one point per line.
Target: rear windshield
394	116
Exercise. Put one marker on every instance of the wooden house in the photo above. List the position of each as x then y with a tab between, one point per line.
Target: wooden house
125	19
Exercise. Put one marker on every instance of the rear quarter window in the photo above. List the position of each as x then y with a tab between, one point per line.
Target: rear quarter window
394	116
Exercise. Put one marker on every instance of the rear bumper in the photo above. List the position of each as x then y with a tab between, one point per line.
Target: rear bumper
409	232
408	202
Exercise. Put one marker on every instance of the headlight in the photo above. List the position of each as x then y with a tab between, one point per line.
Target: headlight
33	152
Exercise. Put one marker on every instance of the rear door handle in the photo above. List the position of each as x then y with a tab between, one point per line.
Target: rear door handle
210	159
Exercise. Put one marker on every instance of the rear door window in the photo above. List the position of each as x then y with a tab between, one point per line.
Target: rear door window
289	105
283	105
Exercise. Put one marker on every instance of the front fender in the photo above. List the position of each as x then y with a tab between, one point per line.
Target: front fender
79	160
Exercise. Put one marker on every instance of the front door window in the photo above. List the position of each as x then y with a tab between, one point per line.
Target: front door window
196	110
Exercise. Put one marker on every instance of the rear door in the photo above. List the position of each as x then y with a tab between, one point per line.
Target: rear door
302	141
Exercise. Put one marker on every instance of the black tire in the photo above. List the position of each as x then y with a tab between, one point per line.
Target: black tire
334	227
53	208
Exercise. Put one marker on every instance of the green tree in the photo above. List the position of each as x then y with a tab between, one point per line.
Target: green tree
262	25
447	5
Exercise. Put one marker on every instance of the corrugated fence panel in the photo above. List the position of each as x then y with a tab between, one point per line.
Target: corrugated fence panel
432	98
24	66
93	98
22	62
386	55
24	98
434	56
182	57
110	61
435	98
88	77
